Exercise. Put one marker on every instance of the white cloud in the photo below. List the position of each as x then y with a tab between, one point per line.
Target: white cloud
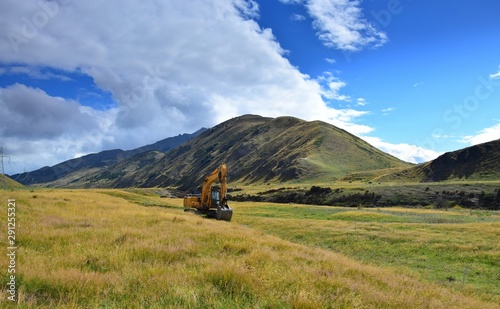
485	135
331	86
437	136
341	25
297	17
361	102
247	8
405	152
291	1
495	75
38	129
171	66
30	113
34	73
386	111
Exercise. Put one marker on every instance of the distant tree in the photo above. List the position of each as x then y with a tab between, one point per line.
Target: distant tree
440	202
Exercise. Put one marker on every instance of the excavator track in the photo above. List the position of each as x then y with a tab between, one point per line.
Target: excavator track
222	213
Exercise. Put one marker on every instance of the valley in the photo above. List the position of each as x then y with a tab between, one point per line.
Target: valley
321	219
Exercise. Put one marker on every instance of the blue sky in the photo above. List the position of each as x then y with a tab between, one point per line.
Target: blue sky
436	55
413	78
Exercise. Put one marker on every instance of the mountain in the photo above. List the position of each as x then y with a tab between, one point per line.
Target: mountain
478	162
256	150
7	183
168	143
96	161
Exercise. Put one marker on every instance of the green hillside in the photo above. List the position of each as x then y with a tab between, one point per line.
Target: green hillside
256	150
8	183
478	162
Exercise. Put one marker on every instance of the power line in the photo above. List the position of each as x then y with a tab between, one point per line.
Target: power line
2	172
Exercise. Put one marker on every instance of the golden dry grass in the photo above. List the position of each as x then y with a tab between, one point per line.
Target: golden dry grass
95	248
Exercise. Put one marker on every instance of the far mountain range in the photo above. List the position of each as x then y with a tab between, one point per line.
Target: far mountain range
97	161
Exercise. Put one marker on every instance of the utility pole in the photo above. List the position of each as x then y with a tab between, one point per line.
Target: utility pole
4	179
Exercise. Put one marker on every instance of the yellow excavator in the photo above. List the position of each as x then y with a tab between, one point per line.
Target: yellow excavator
212	201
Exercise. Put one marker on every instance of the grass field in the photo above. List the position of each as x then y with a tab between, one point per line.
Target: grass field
130	249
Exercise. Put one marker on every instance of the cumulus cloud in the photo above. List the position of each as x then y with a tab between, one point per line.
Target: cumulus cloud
331	86
38	129
485	135
29	113
341	25
405	152
170	66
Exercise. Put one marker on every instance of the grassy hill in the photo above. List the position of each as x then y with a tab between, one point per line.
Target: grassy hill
256	150
133	249
478	162
9	183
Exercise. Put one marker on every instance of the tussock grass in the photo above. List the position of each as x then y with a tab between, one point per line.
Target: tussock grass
101	248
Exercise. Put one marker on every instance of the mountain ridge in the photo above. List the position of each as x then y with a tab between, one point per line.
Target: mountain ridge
256	149
93	161
260	149
480	161
477	162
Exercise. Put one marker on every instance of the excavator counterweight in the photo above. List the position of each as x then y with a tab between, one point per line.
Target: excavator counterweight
212	201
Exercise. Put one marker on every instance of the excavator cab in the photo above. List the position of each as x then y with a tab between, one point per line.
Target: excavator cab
215	196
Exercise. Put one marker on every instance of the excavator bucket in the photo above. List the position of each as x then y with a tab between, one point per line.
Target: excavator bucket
224	212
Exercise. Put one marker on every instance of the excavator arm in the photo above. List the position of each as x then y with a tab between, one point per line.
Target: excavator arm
223	184
206	196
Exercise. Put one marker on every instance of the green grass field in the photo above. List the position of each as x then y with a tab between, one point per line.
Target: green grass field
455	248
132	249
